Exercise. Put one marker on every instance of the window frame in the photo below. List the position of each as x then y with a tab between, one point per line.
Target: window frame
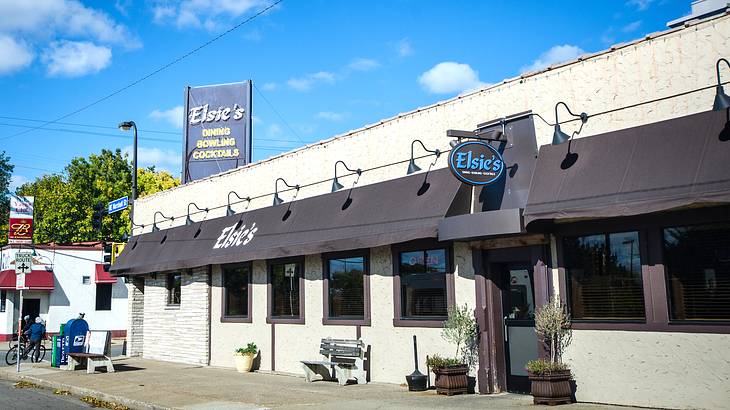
224	294
270	291
326	257
650	228
421	245
168	288
96	296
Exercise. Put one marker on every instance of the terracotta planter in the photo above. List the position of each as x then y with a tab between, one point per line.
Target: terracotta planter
244	362
551	389
451	379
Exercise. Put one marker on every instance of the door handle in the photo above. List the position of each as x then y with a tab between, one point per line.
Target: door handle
504	321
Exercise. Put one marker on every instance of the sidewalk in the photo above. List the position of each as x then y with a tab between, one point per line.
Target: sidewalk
148	384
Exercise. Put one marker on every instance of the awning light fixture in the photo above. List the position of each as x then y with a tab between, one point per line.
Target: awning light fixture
188	220
229	209
155	228
722	100
335	183
412	167
277	198
559	136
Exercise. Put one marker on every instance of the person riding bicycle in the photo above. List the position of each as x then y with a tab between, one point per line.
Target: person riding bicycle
35	334
26	323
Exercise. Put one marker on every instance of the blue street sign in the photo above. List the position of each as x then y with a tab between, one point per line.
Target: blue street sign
118	205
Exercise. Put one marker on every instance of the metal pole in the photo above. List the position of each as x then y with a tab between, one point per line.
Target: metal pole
20	332
134	178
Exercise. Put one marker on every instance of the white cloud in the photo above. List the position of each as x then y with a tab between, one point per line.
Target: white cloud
631	27
14	54
256	119
403	48
16	181
640	4
449	77
273	130
173	116
308	81
331	116
253	35
556	54
213	15
73	58
270	86
161	158
363	64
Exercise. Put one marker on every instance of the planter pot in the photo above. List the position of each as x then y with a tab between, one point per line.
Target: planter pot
551	389
451	379
243	362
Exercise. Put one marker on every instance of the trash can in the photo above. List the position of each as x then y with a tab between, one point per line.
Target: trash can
74	336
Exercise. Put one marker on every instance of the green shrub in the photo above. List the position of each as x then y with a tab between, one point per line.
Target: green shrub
438	362
544	367
251	349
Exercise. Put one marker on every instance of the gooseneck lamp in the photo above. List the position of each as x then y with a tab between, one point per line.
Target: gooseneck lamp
559	136
277	198
412	167
189	220
229	209
722	100
155	228
335	183
126	126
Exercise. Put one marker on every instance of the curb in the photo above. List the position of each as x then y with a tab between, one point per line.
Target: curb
81	391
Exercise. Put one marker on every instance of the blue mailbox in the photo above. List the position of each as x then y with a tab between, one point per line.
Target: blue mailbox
74	335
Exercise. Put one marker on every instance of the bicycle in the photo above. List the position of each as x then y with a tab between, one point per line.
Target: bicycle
11	357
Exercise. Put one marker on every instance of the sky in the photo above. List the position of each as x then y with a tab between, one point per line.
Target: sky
320	68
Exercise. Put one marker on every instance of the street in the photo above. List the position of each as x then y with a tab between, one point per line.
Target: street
35	398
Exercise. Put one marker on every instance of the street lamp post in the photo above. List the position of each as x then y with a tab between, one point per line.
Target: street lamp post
126	126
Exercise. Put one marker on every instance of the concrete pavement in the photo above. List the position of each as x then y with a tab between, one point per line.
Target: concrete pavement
140	383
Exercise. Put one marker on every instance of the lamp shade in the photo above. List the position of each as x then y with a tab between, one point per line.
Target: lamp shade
412	167
188	221
336	186
559	136
230	211
722	100
277	199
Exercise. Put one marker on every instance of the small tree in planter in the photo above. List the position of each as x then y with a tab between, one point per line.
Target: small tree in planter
550	377
451	373
244	357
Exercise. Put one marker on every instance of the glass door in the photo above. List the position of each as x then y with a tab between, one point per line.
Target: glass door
521	343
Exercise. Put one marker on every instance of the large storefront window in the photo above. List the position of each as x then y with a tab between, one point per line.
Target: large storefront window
285	290
604	276
697	264
423	284
236	279
174	287
346	288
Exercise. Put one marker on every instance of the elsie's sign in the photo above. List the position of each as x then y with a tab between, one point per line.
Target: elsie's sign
232	236
476	163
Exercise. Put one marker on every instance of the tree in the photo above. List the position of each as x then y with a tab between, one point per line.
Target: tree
150	181
6	170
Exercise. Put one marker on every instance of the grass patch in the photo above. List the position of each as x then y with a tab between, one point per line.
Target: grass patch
61	392
96	402
24	384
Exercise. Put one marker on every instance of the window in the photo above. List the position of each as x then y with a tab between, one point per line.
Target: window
103	296
697	265
423	284
3	299
285	279
604	276
346	288
236	280
174	282
86	280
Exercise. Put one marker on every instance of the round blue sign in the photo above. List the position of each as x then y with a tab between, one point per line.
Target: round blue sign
476	163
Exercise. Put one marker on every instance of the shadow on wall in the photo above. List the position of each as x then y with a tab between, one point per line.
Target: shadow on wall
58	295
119	290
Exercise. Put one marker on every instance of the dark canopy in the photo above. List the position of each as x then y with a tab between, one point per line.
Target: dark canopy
654	167
379	214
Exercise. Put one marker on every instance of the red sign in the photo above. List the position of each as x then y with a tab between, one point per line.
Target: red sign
20	230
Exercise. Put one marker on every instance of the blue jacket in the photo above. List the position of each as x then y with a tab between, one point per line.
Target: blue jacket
36	332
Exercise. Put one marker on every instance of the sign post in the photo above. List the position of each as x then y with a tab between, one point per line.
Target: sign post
23	266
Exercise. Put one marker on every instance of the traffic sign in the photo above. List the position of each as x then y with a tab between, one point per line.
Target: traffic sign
23	262
118	205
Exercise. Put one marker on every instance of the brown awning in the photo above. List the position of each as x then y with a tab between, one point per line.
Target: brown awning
654	167
379	214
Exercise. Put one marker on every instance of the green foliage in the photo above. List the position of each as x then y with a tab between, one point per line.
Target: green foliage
6	171
150	181
552	326
544	367
461	329
250	349
438	362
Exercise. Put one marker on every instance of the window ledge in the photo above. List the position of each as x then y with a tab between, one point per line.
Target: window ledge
285	321
418	323
346	322
236	319
172	307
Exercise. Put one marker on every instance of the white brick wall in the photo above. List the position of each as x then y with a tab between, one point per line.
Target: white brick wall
180	333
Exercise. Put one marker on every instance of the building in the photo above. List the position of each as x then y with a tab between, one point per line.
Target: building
65	280
613	222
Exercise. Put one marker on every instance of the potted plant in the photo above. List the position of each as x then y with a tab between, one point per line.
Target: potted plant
452	373
550	377
244	357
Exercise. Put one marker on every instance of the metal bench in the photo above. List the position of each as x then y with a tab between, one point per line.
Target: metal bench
344	360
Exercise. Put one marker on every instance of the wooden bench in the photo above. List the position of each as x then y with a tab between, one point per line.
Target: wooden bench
344	360
97	352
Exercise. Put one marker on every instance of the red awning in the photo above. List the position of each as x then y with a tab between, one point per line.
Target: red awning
35	280
103	276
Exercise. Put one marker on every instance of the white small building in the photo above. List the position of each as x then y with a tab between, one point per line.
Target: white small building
65	280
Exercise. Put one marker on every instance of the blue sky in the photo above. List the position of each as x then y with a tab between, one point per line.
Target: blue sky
325	66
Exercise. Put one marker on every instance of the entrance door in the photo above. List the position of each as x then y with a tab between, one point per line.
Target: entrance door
518	300
32	308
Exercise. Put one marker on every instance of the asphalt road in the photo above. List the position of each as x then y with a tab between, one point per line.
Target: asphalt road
35	398
116	351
